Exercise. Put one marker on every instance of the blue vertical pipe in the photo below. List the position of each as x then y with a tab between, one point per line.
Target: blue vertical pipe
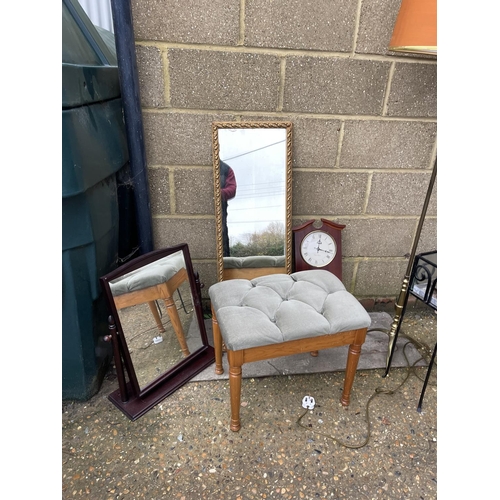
129	83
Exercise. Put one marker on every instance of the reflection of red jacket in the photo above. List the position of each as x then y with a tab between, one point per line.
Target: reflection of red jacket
229	190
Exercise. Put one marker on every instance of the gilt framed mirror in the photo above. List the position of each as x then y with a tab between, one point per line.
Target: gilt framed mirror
252	164
156	327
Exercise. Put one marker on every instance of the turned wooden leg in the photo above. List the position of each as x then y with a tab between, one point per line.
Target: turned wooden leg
217	345
156	315
176	324
235	359
314	354
352	365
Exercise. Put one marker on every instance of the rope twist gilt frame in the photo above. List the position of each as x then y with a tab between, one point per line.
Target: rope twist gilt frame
218	205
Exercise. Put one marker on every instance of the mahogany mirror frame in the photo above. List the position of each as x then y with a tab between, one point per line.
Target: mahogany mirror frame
287	126
133	400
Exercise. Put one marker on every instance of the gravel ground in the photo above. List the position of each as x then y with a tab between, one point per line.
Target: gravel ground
183	448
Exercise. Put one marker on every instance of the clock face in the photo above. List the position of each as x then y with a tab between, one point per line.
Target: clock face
318	248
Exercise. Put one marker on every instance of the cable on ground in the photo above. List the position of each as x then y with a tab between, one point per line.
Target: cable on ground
378	391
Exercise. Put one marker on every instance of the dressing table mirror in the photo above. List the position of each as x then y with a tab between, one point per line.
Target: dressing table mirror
252	164
156	328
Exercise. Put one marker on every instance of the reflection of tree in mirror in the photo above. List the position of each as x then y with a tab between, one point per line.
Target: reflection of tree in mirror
270	241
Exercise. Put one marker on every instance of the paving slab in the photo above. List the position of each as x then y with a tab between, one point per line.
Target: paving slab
373	355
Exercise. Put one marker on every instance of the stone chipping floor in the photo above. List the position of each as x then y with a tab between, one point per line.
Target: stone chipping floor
183	448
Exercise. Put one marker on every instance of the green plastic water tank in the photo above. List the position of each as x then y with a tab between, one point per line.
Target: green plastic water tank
94	155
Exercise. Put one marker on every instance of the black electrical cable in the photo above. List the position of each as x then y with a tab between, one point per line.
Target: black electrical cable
378	391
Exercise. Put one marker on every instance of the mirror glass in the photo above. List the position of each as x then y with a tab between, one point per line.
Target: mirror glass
160	331
160	340
252	185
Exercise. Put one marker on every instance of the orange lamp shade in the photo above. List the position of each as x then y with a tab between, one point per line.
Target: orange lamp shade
416	27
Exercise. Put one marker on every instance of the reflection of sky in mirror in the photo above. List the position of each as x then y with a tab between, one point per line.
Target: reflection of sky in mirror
258	158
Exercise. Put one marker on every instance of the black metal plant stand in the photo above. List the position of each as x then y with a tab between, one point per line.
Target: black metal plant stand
428	374
423	286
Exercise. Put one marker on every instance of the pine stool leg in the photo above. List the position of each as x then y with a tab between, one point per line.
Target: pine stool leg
352	365
156	315
217	345
235	359
176	324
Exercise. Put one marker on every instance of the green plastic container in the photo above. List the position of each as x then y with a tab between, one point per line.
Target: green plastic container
94	156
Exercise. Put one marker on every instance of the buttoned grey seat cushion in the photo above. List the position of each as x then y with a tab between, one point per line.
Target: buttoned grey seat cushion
280	307
153	274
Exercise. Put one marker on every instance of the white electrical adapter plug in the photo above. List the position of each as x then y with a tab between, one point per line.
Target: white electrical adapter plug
308	402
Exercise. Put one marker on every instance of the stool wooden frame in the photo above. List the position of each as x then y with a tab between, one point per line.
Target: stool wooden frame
236	359
164	291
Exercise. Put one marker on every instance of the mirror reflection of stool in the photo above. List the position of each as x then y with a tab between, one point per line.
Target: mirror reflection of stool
149	284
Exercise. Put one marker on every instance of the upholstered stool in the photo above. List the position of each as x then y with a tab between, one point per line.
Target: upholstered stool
279	315
153	282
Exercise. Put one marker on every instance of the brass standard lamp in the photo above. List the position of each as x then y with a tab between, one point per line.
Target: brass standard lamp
415	32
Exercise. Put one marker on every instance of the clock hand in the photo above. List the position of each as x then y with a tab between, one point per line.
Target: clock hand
323	250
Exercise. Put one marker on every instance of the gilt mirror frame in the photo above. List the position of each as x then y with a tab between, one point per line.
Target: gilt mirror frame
216	127
132	398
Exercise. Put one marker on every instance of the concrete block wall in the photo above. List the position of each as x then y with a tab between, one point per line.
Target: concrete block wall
365	125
